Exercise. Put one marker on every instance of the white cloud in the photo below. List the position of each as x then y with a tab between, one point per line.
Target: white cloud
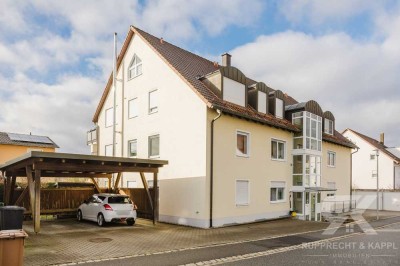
178	20
317	12
54	40
62	111
357	80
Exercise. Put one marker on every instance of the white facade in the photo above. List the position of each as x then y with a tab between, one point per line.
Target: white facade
365	164
179	120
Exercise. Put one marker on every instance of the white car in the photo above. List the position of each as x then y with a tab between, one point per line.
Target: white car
103	208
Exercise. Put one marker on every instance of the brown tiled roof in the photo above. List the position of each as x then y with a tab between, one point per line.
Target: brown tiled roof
190	67
381	147
5	139
339	139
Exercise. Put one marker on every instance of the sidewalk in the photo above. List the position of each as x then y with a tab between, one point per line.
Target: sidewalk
65	241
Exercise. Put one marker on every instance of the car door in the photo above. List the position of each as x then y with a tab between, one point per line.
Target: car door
91	208
85	208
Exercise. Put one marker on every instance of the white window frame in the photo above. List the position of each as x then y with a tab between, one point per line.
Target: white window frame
129	148
331	194
281	109
331	154
111	109
134	102
134	66
328	126
284	150
247	134
153	109
159	144
248	192
105	149
277	185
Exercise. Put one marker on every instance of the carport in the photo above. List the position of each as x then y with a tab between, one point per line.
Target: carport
35	165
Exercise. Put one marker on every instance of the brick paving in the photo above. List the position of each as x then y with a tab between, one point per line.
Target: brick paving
66	241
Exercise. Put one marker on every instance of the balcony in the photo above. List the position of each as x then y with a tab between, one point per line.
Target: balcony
92	137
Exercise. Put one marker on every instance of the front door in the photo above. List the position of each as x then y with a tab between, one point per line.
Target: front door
313	208
313	197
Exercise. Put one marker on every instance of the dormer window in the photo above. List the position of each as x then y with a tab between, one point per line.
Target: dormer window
135	67
234	91
328	128
279	108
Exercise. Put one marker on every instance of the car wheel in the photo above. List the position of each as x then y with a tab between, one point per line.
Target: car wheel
130	222
100	220
79	216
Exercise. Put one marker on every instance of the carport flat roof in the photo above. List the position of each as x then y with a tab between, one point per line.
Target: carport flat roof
54	164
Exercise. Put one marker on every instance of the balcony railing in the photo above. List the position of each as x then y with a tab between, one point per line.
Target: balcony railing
92	136
339	206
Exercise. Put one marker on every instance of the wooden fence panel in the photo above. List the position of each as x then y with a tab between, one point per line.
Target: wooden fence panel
139	197
57	200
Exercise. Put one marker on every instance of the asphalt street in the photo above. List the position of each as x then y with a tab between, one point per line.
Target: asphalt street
349	245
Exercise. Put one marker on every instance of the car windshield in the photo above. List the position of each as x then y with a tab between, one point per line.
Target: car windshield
119	200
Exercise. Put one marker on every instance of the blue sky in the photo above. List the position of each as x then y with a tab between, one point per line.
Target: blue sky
55	56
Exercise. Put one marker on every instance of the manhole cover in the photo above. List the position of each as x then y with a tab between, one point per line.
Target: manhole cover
100	240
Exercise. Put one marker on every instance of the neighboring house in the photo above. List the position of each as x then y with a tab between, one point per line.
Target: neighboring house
14	145
364	163
238	151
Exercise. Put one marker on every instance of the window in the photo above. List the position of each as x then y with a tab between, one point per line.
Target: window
153	102
277	191
132	148
242	144
131	184
135	67
133	108
279	108
278	149
108	151
242	192
109	117
154	146
331	185
313	132
150	183
328	127
331	159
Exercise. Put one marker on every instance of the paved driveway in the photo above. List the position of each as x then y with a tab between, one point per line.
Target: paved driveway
66	241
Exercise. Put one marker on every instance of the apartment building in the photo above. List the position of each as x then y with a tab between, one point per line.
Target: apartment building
238	150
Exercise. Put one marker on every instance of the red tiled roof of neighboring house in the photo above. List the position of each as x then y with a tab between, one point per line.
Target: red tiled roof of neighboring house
380	146
190	67
6	140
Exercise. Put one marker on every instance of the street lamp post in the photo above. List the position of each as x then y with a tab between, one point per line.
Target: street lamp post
377	184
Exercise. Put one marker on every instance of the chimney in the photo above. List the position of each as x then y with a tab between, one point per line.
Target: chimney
226	59
382	139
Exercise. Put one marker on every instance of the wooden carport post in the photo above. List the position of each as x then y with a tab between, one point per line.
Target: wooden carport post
31	188
12	187
155	199
37	201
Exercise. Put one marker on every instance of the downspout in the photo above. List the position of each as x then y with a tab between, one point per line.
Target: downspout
115	91
123	119
212	166
351	175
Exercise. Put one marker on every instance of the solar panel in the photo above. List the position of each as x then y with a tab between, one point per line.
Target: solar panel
29	138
